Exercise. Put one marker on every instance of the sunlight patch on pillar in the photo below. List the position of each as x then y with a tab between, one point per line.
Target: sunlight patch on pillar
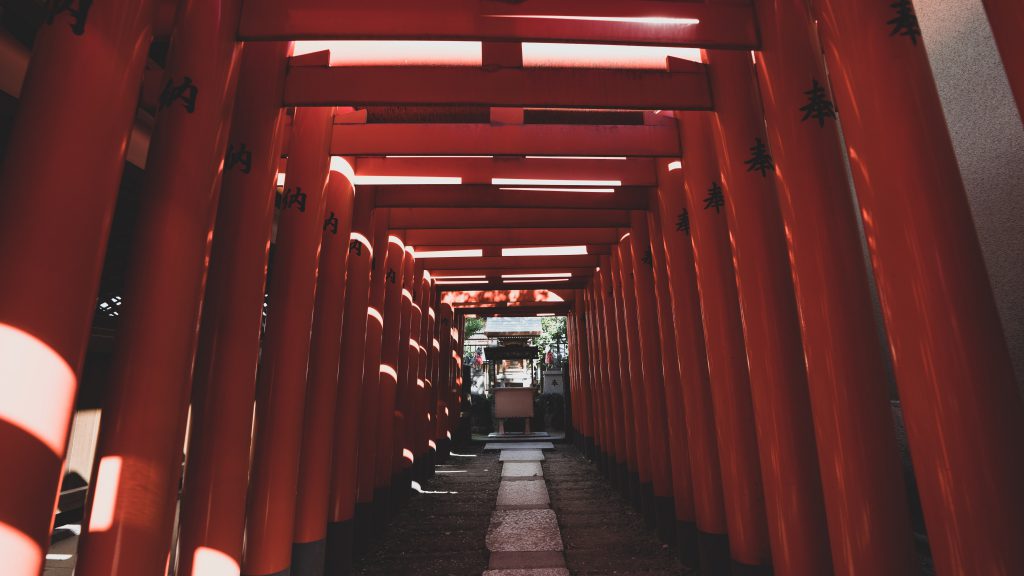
37	388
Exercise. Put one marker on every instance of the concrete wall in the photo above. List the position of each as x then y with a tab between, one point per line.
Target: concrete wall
989	140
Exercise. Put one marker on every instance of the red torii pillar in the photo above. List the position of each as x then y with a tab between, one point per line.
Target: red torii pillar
77	107
589	387
368	424
394	277
615	442
213	501
280	393
310	540
865	498
602	447
638	386
428	444
963	412
580	379
727	362
344	473
406	399
641	472
1006	17
682	476
621	410
645	301
444	378
130	514
795	505
693	368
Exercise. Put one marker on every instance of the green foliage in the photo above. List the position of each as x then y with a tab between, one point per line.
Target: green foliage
474	325
552	335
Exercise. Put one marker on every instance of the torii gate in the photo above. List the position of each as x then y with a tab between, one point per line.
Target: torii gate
728	240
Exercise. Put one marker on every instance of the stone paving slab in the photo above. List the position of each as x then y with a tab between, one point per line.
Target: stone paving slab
523	494
523	530
521	470
521	456
519	446
529	572
526	560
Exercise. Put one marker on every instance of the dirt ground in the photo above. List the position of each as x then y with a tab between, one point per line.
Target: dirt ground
602	534
442	534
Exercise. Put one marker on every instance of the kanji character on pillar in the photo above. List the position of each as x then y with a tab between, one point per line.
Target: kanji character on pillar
331	223
818	106
905	23
186	92
715	198
80	14
683	221
241	156
760	160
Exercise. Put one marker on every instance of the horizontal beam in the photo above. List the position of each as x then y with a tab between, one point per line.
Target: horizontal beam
630	171
721	25
471	269
480	237
509	87
483	196
498	285
405	218
508	140
560	309
478	296
508	264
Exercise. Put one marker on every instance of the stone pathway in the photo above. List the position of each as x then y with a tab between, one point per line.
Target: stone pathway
523	537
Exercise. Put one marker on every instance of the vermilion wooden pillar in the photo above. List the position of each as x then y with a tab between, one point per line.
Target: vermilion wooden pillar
368	425
582	379
785	431
621	411
394	277
682	476
444	378
641	472
612	409
417	385
138	455
213	503
61	174
603	423
1007	20
280	391
962	409
865	499
405	401
693	368
723	333
638	387
653	374
591	388
427	444
600	448
344	472
309	548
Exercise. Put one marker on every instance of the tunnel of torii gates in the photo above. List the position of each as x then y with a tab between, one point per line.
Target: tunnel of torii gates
697	209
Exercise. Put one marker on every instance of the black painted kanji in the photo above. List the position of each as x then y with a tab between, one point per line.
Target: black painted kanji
818	106
648	258
186	92
715	198
77	9
355	247
331	223
760	160
683	221
391	276
242	156
905	22
297	198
